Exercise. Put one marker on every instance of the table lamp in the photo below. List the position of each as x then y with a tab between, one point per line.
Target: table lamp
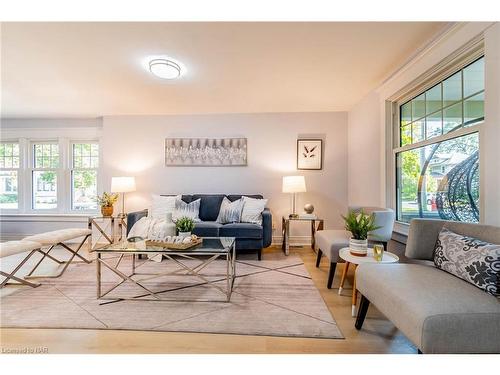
294	184
122	185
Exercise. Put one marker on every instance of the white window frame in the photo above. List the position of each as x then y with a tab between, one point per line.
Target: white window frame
72	169
455	62
25	173
19	175
59	177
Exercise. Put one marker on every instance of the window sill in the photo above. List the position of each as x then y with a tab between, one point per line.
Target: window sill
53	217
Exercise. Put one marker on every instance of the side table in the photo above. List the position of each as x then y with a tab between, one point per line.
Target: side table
106	225
345	254
285	229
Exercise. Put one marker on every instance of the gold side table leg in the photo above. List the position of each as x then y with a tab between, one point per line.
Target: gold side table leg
287	237
89	241
344	274
98	273
354	294
283	232
313	233
113	234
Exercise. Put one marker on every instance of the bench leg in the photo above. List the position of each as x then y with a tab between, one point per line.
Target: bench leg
67	263
10	276
15	278
76	252
331	274
363	308
45	254
318	259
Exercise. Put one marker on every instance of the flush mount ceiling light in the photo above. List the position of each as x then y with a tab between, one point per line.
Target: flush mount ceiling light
164	68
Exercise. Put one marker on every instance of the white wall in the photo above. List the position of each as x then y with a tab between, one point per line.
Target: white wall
490	137
364	139
368	118
134	145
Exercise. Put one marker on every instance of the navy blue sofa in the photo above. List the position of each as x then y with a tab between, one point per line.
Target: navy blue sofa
249	237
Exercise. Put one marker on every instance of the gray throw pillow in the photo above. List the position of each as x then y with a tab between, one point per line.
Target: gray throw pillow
470	259
230	212
183	209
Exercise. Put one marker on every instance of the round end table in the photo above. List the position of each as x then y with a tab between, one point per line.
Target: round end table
345	254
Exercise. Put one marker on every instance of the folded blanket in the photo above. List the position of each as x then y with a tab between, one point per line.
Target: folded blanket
151	228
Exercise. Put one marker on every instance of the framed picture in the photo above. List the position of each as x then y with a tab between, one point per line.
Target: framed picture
310	154
206	152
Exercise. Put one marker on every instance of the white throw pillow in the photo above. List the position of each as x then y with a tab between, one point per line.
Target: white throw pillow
161	206
252	210
230	212
183	209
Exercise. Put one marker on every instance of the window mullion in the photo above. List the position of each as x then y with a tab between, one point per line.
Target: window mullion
441	138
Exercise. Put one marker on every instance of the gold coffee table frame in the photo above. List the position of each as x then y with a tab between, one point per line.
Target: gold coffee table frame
205	253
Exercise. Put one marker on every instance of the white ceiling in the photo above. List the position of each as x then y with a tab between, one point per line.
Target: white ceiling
95	69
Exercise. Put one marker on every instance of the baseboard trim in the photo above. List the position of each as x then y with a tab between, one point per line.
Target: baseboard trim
294	240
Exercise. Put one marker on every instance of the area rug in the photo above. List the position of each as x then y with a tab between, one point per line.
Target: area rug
272	297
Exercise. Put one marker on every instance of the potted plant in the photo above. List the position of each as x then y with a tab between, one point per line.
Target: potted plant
184	225
359	224
106	201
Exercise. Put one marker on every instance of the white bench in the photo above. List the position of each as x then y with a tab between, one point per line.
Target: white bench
57	238
18	247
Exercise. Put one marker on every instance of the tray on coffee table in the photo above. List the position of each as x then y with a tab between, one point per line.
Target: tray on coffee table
175	246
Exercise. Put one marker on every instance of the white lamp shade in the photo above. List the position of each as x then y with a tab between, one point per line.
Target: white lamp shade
294	184
122	184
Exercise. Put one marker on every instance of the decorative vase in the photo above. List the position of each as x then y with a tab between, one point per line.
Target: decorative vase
170	229
107	211
358	247
184	234
309	208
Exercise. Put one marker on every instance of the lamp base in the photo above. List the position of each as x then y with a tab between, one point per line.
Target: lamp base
293	216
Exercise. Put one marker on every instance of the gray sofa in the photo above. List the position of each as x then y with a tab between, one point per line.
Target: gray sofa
438	312
249	237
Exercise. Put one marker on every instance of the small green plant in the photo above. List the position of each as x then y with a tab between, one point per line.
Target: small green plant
184	224
107	199
359	224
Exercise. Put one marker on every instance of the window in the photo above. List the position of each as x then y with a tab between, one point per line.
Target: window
56	176
9	172
44	175
85	161
437	161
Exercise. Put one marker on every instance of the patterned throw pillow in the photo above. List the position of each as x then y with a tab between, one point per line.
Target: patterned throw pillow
252	210
230	212
183	209
470	259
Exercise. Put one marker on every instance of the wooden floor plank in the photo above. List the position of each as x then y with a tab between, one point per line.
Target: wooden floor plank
377	336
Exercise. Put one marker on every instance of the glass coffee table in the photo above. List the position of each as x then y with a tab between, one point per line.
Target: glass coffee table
203	255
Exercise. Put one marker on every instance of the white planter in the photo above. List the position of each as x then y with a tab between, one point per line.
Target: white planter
358	247
184	234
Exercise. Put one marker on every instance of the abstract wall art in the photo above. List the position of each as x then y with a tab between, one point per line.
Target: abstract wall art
206	152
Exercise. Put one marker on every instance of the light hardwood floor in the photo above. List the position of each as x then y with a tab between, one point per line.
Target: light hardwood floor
377	336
